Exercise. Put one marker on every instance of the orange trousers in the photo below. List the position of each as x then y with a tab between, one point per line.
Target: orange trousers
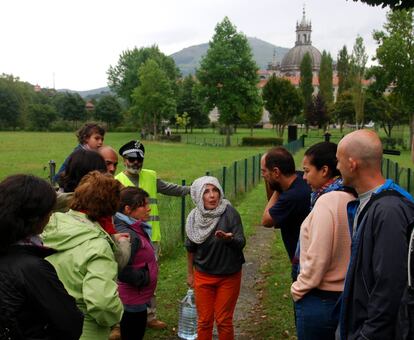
216	298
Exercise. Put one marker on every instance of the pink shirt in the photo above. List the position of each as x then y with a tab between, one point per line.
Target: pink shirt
325	245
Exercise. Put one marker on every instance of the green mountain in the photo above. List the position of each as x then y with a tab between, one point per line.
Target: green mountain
187	60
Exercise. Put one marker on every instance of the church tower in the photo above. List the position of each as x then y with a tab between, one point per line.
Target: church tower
303	31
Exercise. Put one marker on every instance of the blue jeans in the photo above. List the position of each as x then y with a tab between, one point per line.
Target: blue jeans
315	319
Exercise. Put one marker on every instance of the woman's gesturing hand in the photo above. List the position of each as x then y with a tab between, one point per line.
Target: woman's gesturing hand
220	234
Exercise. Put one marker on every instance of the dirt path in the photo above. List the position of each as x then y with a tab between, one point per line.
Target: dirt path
248	309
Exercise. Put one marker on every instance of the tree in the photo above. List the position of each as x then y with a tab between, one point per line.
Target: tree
23	93
343	110
395	56
325	78
70	106
108	109
358	62
228	75
41	116
306	86
393	4
320	112
123	78
9	107
188	101
283	101
343	68
153	99
252	113
183	121
386	110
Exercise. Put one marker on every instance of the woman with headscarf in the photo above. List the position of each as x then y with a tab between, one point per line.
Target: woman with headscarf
85	259
214	243
33	301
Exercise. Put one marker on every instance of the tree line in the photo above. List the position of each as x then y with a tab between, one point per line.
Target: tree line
149	92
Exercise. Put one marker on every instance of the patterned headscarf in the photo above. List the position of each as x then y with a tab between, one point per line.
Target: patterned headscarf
201	221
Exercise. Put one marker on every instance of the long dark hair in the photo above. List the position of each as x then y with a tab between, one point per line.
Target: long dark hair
80	163
25	201
322	154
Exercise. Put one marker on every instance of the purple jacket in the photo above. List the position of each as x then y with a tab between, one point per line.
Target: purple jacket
138	280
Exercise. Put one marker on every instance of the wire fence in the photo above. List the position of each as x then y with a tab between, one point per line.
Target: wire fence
402	176
236	178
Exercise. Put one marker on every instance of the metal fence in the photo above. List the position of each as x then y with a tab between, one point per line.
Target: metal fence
209	141
236	178
402	176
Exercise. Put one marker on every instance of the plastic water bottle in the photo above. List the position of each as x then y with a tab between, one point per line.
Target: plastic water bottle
187	322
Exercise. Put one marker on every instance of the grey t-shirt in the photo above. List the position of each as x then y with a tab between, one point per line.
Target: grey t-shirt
363	200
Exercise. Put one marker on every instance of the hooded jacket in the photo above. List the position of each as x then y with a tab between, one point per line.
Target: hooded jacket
85	263
376	282
33	302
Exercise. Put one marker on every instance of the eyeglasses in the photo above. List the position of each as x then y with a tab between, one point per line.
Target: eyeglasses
133	159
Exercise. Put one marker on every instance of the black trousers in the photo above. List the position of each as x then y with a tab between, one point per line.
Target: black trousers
133	325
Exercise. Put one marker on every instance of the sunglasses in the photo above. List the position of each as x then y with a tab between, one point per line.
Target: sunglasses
134	159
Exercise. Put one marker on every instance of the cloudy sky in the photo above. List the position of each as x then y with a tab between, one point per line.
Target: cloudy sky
73	43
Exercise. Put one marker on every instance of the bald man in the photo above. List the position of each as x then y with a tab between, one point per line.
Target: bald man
376	283
111	158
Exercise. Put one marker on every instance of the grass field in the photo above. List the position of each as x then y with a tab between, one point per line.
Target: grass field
30	152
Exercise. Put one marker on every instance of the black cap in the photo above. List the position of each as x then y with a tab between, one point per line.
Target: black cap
132	149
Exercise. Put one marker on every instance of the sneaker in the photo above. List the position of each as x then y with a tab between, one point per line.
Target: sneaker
156	324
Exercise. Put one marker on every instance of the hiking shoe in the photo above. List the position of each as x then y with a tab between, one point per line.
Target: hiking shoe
156	324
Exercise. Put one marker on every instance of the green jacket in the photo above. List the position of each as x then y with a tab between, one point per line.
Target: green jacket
86	265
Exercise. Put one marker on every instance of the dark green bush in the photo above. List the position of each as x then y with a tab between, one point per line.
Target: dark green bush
171	138
392	142
259	141
223	130
62	126
125	129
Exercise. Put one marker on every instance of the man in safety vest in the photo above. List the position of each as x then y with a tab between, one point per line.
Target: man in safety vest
134	175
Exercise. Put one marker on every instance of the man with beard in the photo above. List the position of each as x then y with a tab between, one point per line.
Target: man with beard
134	175
289	203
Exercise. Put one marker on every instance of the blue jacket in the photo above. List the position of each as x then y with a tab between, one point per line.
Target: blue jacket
376	281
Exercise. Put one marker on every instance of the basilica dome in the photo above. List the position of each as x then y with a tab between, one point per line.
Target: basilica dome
292	60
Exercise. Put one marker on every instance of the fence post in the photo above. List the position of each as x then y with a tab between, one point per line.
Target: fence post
387	172
408	179
254	169
259	171
245	175
224	179
396	173
182	213
52	171
235	178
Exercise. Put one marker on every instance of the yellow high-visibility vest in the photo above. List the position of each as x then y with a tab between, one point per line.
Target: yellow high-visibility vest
147	181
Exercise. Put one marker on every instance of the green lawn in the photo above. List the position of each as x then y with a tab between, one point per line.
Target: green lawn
30	152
